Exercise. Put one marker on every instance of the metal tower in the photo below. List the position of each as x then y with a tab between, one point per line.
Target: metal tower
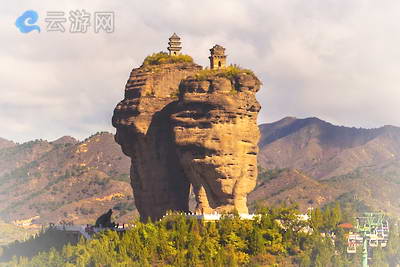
373	228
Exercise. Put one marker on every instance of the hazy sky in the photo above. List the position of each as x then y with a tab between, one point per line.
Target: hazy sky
336	60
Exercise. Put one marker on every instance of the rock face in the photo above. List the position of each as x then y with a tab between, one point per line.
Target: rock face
180	130
144	133
216	136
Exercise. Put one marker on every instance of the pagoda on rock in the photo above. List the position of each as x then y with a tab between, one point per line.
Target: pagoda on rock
174	43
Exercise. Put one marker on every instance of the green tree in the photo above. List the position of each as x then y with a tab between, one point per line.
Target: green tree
317	219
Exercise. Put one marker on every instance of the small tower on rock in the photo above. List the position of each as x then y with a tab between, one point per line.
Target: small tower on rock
174	43
217	57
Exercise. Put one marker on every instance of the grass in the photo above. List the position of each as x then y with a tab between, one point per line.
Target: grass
230	72
165	58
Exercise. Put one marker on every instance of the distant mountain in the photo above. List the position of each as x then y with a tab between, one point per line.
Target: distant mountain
43	182
16	156
323	150
4	143
349	163
65	140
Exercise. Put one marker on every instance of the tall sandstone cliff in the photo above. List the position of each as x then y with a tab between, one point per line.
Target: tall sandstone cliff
181	130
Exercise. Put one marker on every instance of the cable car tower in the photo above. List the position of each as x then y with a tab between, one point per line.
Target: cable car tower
374	230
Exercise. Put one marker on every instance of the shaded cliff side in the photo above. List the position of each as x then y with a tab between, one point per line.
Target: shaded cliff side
144	134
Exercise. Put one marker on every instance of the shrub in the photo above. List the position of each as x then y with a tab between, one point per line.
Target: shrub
165	58
230	72
86	211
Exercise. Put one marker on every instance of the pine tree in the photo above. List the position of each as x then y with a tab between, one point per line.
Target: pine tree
336	214
317	219
256	242
193	254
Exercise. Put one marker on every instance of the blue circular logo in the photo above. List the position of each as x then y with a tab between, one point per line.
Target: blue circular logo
25	22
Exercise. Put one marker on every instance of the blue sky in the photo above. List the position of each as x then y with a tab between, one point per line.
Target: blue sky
336	60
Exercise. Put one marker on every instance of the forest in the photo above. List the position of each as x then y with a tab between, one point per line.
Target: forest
278	237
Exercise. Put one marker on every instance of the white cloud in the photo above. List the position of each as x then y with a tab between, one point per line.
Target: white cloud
337	60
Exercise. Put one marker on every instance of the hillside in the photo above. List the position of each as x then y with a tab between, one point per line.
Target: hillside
279	186
350	163
44	182
378	186
323	150
4	143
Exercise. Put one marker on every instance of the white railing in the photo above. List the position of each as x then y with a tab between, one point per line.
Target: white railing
215	216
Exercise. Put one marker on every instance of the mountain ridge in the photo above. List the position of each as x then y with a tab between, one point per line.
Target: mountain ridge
320	148
64	181
4	143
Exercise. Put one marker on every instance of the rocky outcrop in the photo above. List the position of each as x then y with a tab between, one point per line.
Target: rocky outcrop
216	137
181	130
144	133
